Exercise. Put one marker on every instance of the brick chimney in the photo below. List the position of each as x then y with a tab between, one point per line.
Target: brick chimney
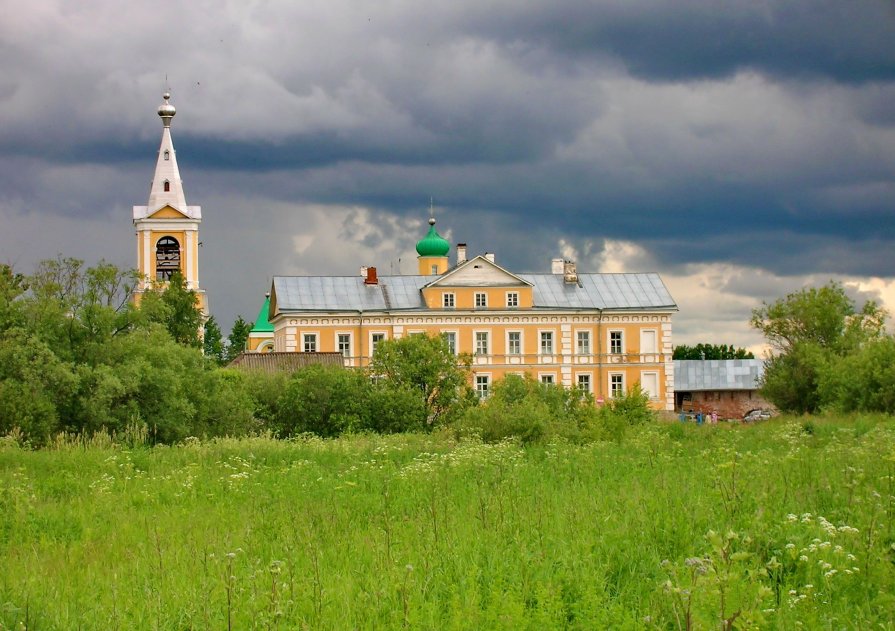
461	253
371	278
570	273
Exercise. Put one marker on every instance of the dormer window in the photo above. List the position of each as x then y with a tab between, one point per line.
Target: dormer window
167	155
167	186
167	258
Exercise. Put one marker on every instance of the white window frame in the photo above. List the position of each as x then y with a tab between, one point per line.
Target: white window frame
590	381
654	396
484	300
313	338
448	300
456	337
621	342
476	341
350	348
512	299
483	379
616	392
541	350
589	349
509	347
547	378
371	345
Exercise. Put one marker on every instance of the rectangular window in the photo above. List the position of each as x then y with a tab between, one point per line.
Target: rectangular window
547	380
451	338
481	343
481	299
615	342
616	385
344	344
375	338
583	342
310	342
514	343
447	301
482	385
512	299
584	383
546	342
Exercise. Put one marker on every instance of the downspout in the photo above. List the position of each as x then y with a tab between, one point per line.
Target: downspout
600	355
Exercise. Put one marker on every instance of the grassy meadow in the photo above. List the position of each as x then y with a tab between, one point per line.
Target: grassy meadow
784	524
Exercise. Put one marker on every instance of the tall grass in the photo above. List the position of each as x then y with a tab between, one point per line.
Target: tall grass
773	525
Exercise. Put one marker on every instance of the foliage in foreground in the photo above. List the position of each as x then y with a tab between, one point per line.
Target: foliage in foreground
777	525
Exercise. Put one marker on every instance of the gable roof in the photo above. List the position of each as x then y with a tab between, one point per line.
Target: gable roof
395	293
691	375
478	272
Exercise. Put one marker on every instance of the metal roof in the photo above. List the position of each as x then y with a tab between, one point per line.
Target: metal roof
262	322
601	291
349	293
691	375
284	361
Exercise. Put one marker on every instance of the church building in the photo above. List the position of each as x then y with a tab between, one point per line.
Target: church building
599	332
167	229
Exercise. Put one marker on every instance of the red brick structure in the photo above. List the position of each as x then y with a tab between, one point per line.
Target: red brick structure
727	386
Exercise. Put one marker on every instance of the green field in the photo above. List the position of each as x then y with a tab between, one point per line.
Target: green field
778	525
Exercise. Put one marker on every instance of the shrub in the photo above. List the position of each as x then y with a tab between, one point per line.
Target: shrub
322	400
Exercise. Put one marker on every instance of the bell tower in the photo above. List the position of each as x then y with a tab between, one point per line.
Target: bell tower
167	229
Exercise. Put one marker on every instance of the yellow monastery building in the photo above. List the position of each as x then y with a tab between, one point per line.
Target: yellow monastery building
599	332
167	229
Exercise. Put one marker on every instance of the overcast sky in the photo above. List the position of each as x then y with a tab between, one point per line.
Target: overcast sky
740	148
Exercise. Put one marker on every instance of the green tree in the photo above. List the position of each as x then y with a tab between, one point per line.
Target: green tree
34	386
862	381
181	313
711	351
809	330
12	287
238	338
77	310
425	364
213	341
324	400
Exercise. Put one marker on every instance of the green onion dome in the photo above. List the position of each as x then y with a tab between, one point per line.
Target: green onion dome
433	244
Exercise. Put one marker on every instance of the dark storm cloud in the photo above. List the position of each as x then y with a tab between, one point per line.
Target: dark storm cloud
687	39
750	133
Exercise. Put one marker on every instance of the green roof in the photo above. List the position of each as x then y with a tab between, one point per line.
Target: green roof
433	244
262	324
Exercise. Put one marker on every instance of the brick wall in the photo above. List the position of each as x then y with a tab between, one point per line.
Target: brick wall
730	404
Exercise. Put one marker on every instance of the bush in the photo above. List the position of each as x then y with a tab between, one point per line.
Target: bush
393	408
523	408
322	400
34	386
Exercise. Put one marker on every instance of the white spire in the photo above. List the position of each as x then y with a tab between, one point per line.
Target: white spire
167	187
167	176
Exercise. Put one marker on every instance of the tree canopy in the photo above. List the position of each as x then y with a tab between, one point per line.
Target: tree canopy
711	351
817	335
426	364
